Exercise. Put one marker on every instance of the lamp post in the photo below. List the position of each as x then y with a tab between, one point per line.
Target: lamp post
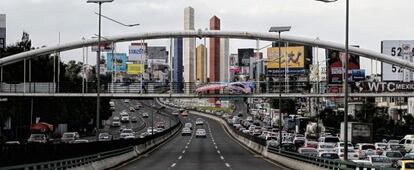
98	58
279	30
345	75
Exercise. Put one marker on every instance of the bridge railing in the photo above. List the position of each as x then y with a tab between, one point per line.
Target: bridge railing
150	87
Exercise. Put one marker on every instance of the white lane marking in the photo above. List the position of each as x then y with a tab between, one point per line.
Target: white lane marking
228	165
173	165
218	151
216	147
221	157
180	157
183	151
186	147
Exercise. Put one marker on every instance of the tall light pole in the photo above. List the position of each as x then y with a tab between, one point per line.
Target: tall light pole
98	58
345	76
279	30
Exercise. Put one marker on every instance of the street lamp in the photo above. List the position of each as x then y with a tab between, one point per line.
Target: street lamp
279	30
98	58
345	76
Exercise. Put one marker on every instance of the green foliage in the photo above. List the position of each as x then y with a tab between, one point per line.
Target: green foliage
288	105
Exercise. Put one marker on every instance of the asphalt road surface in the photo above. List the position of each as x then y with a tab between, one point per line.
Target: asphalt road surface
217	151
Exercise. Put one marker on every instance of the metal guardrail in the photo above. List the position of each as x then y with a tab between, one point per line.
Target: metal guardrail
124	146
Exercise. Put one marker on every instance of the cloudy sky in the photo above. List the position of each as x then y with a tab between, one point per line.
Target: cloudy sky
370	20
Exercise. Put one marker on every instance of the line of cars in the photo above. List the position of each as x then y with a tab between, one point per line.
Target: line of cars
200	132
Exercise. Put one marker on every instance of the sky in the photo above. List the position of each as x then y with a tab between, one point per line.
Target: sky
371	21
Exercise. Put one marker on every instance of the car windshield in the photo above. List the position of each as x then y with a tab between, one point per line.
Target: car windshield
393	154
380	159
326	146
37	136
308	150
409	165
396	147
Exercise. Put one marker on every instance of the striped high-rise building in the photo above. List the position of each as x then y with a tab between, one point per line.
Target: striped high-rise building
189	49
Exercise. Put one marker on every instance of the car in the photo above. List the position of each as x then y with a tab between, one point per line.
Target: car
298	141
328	155
186	131
151	130
126	101
116	123
352	155
312	144
189	125
396	147
124	118
131	109
160	125
143	134
37	138
249	119
139	105
201	133
311	152
341	145
407	165
69	137
380	161
134	119
145	115
408	142
127	134
325	147
394	156
199	121
365	149
246	131
158	130
104	136
288	146
81	141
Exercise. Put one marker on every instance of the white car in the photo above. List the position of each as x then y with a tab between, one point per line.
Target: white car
186	131
249	119
199	121
126	100
145	115
189	125
152	130
325	147
81	141
380	161
201	133
125	118
365	149
127	134
116	123
340	145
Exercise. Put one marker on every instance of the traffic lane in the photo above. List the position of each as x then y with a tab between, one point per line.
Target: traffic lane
164	156
200	153
236	155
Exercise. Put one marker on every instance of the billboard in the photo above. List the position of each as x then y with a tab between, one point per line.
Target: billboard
105	47
390	86
335	66
157	53
358	75
136	53
292	57
244	55
402	49
135	69
120	60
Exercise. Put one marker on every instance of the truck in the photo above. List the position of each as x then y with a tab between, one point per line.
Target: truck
358	132
312	132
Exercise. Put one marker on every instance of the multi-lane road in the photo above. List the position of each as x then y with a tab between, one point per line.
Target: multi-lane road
217	151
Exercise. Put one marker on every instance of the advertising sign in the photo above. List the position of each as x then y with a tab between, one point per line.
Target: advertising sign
292	57
358	75
105	47
244	55
385	86
136	53
135	69
120	60
402	49
335	66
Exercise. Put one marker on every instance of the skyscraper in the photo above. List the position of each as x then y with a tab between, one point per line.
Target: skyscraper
201	63
178	65
214	51
189	48
2	30
224	58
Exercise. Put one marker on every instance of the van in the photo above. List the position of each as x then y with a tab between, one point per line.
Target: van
408	142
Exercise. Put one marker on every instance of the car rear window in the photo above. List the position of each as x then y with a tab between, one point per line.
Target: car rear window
331	140
409	165
365	147
393	154
380	159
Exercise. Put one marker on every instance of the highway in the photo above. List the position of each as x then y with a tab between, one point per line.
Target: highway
217	151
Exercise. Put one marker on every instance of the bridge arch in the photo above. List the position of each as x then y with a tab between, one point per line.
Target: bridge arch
200	34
